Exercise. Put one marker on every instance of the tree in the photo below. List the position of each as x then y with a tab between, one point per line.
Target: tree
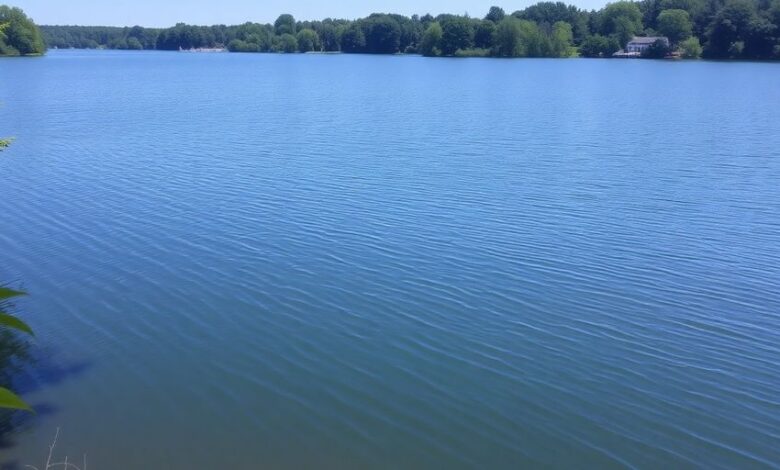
412	30
495	15
134	44
18	34
508	37
285	24
774	13
308	40
737	31
353	39
533	42
182	36
598	46
675	24
429	45
456	34
561	39
622	20
288	43
760	42
237	45
725	29
692	7
117	43
329	38
624	30
383	34
549	13
484	36
691	49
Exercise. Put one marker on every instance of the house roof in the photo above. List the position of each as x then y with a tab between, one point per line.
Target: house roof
648	39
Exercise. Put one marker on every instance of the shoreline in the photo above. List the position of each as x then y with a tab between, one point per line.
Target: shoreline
406	54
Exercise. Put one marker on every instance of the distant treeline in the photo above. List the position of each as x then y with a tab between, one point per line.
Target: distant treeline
739	29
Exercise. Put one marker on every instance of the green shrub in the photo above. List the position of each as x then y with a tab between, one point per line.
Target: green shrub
691	48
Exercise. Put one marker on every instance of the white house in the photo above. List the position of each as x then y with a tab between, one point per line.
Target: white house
640	44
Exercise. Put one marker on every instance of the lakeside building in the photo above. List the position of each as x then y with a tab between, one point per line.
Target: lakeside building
640	44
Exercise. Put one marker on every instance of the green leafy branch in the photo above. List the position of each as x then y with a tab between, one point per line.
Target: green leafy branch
9	399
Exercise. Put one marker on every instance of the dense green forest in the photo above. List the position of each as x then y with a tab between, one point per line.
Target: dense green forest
18	34
737	29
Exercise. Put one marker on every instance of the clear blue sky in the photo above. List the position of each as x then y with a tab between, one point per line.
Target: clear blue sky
169	12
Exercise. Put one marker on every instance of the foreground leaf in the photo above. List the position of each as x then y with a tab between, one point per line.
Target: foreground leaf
10	321
6	293
10	400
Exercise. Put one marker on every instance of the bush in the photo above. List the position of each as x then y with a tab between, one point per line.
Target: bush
690	48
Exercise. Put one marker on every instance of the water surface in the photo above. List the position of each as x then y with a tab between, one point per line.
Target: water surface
300	261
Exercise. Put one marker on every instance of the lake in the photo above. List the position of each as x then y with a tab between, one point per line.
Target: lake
349	261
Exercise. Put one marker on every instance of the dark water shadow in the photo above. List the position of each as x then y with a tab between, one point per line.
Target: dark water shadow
26	368
45	371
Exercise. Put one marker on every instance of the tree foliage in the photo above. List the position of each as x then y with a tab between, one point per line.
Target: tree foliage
353	39
561	40
285	24
738	31
675	24
599	46
308	40
431	40
8	399
285	43
18	34
382	33
457	34
495	14
485	34
329	38
622	20
691	48
744	29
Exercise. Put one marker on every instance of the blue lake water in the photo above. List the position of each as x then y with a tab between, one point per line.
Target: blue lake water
309	261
